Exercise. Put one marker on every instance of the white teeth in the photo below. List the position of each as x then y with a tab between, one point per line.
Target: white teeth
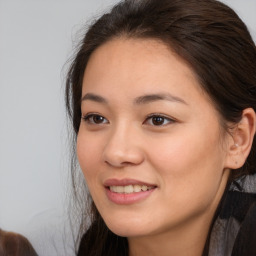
129	189
144	188
136	188
119	189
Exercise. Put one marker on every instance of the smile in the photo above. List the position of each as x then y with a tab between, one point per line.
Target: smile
130	189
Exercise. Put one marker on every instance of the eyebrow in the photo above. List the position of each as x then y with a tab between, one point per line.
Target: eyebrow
145	99
94	97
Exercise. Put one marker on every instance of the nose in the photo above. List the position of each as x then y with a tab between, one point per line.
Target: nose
123	148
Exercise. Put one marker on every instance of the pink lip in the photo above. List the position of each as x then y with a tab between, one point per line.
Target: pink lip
126	199
125	182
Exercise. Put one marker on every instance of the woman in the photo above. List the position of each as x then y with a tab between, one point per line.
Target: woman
162	96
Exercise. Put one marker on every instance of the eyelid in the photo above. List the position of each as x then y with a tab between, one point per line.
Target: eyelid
87	117
168	118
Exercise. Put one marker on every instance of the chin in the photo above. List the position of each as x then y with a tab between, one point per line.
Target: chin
124	232
128	228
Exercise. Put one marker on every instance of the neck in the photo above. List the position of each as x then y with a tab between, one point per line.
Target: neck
182	242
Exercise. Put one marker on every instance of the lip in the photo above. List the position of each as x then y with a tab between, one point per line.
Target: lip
126	182
127	199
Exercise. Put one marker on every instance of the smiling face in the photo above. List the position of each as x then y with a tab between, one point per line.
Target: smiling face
150	143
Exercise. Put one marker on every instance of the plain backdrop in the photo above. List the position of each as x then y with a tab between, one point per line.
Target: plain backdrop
36	39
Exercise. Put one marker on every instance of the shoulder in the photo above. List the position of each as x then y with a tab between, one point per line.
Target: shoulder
233	231
245	243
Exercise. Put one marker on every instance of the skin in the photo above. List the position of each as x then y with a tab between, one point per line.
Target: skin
186	156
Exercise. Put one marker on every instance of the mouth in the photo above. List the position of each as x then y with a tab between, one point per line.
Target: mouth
127	191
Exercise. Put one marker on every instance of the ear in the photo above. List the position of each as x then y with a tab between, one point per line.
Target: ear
241	139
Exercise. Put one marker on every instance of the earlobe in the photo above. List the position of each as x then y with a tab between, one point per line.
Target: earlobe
242	138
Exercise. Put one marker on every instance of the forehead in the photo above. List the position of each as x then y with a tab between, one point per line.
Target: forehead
133	67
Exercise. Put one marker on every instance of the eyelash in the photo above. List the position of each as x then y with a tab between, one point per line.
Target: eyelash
166	120
87	118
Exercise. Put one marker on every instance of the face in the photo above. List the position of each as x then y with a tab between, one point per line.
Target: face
150	143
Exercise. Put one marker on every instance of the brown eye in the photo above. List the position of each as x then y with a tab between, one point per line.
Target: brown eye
98	119
95	119
158	120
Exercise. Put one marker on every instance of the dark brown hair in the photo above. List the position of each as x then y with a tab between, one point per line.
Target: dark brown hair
13	244
208	35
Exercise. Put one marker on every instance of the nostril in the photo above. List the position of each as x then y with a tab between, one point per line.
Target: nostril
120	164
116	164
128	163
122	154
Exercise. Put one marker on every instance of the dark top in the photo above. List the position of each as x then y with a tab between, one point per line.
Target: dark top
234	230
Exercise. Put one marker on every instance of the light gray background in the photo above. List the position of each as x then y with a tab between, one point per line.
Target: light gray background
36	39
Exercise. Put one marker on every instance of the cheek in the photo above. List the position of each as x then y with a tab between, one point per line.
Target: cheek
88	153
189	164
89	157
187	148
